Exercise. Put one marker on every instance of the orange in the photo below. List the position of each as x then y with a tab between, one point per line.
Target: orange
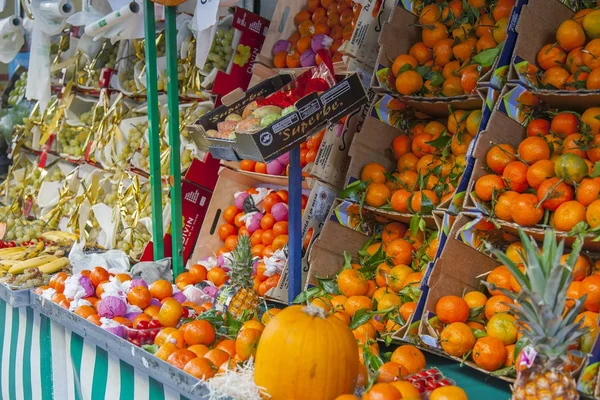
170	313
485	42
430	14
442	52
140	318
152	311
575	60
484	26
396	276
85	311
165	350
593	79
452	87
590	119
568	214
574	144
377	195
556	77
448	393
269	314
409	82
463	50
582	267
592	214
199	332
230	213
538	127
500	277
497	304
475	299
570	35
400	146
525	211
489	353
591	55
198	272
433	33
355	303
364	333
534	148
420	145
403	62
407	162
217	357
486	185
420	52
373	172
180	358
98	275
352	283
552	193
457	339
407	309
590	287
550	56
226	230
279	242
409	357
381	275
248	165
200	368
139	296
406	389
393	231
413	279
399	251
450	69
515	176
217	276
246	343
161	289
382	391
503	206
451	309
503	9
503	326
416	202
460	144
390	372
539	172
499	156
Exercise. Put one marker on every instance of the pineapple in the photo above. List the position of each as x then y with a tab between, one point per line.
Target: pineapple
242	296
539	308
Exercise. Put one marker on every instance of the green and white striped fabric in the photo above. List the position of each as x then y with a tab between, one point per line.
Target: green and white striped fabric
42	360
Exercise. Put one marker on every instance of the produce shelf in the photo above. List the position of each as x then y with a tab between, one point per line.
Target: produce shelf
14	298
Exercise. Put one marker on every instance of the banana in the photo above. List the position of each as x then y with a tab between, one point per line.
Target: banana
59	236
19	267
54	266
19	256
11	250
34	251
6	264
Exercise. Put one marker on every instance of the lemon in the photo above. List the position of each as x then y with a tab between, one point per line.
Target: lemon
504	327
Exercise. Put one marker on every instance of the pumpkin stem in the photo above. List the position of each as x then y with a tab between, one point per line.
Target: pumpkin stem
315	311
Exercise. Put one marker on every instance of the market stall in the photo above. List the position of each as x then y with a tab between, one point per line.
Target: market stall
346	200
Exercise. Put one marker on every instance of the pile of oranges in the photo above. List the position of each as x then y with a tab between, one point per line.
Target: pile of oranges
482	326
199	348
308	154
334	18
550	177
431	158
387	278
573	61
445	62
271	236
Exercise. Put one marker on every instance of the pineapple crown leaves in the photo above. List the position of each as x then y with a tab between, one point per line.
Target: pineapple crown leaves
242	262
542	300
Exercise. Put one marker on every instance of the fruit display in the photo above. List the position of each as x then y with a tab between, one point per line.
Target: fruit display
569	62
88	67
548	177
430	158
323	26
460	42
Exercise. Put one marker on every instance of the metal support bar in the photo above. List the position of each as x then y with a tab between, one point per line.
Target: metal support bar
153	130
295	225
174	139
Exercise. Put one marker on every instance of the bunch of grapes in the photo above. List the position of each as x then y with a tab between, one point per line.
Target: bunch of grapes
21	230
221	51
127	80
18	92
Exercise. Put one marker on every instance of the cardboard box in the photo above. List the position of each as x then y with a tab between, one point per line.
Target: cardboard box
536	28
399	34
203	172
314	112
326	255
320	199
332	159
252	31
506	126
372	143
194	206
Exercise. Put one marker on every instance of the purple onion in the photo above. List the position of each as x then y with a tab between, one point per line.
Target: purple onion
308	58
275	168
116	330
220	260
211	291
155	302
320	41
86	284
254	222
284	158
281	45
137	282
111	306
180	297
280	212
131	315
239	200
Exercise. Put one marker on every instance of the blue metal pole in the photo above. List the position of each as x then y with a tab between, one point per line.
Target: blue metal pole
295	225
